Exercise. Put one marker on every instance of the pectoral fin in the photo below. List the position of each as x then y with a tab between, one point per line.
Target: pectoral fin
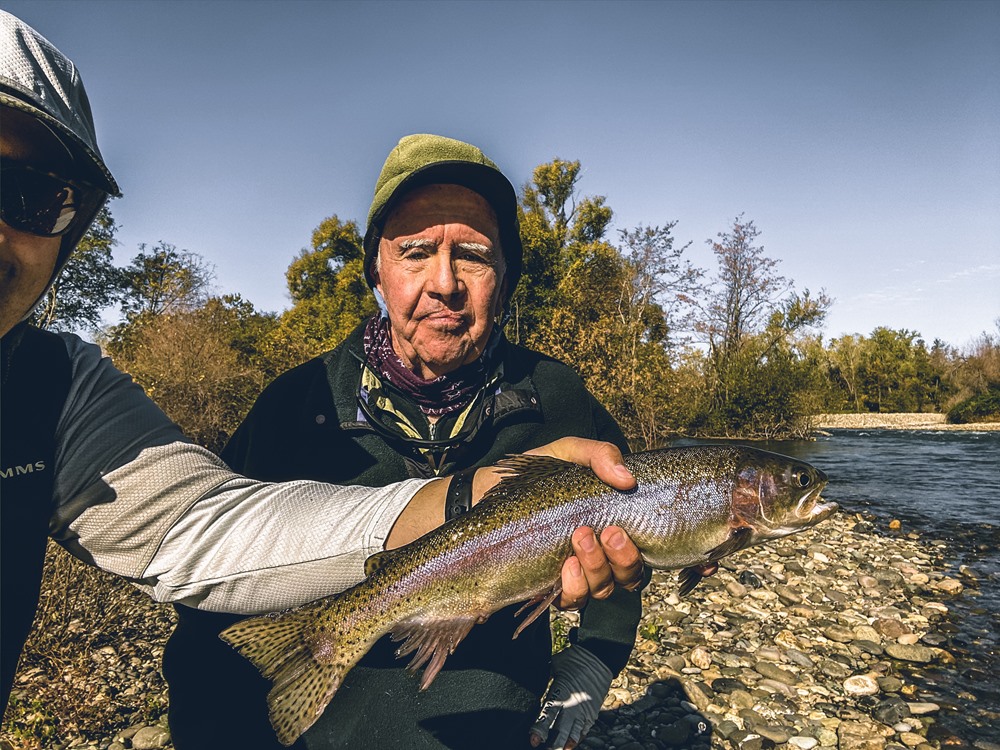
739	538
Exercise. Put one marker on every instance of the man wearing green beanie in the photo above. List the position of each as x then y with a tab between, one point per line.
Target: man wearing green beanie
88	460
428	387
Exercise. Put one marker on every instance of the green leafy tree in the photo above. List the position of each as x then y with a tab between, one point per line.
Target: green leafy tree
894	371
941	365
329	293
163	279
88	284
845	370
556	226
889	371
314	272
617	314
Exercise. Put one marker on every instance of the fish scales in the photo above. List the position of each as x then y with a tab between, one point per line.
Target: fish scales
691	506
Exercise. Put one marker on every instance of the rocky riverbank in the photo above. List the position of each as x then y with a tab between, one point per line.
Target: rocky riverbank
834	638
899	421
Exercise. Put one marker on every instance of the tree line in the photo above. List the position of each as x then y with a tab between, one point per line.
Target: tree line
668	347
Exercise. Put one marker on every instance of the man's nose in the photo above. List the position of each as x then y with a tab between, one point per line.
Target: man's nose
443	279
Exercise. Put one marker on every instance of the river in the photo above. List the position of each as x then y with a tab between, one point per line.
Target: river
946	487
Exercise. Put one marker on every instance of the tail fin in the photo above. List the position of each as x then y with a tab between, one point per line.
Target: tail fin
304	661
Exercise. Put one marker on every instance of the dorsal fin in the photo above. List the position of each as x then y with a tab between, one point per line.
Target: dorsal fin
378	561
522	469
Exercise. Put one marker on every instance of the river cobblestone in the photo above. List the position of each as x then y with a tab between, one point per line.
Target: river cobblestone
816	641
838	637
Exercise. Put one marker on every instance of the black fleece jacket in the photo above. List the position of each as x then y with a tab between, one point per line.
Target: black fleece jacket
306	425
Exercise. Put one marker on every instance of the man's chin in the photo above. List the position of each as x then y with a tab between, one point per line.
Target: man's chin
440	358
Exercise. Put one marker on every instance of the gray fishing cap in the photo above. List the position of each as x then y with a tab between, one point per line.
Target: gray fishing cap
425	159
38	79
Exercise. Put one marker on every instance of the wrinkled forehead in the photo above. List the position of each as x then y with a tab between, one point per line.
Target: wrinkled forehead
437	205
26	140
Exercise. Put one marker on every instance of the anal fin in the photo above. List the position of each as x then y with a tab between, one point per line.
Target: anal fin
433	642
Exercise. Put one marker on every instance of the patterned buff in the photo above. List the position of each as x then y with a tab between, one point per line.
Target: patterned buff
444	394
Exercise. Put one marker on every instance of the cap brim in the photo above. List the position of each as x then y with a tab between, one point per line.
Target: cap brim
92	169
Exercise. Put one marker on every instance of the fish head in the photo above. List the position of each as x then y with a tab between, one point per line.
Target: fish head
778	495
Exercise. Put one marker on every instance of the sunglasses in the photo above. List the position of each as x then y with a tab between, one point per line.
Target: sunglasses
43	204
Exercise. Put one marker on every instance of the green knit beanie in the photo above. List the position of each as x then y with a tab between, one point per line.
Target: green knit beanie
422	159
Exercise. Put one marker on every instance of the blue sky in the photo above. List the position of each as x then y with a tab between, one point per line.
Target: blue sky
863	139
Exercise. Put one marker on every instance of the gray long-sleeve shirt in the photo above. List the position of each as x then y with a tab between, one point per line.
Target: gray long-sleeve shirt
137	498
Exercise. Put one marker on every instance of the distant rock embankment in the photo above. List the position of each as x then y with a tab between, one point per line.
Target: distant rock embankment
901	421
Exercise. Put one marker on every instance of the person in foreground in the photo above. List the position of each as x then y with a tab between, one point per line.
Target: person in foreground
428	387
87	459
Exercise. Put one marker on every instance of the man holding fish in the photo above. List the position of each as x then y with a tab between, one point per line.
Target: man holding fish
89	460
428	387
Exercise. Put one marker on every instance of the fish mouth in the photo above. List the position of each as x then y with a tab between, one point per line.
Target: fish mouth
813	508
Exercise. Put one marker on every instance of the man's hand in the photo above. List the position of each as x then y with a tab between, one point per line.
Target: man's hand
604	459
595	567
580	682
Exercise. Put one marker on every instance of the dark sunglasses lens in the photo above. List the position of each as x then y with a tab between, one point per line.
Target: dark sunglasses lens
36	203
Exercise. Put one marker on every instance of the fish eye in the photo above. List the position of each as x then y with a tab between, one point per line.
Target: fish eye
802	478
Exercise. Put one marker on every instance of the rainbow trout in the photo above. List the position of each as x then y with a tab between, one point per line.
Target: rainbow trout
692	507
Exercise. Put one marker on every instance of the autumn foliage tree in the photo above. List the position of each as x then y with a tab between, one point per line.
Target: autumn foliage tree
204	365
976	380
203	359
750	318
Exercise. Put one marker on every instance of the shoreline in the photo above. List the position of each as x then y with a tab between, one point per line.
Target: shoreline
897	421
841	637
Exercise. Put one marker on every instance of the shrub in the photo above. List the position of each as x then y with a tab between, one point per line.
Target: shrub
982	407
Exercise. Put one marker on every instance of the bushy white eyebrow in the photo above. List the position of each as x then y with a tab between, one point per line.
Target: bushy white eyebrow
494	254
476	247
417	242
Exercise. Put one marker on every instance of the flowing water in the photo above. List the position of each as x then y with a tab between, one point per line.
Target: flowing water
944	486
